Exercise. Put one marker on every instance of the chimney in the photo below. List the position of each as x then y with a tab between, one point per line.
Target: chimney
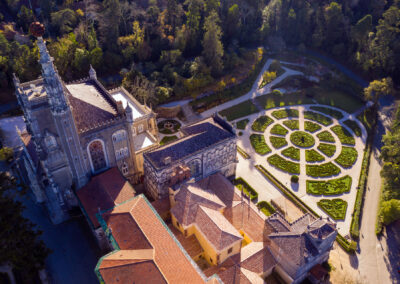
92	73
120	107
167	160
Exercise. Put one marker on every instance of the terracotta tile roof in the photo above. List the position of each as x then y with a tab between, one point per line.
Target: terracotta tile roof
169	258
162	206
103	192
216	228
260	262
198	136
190	244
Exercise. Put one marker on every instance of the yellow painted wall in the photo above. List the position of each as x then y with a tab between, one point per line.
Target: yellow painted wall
246	238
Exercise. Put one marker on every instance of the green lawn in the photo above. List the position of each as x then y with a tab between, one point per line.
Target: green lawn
291	124
279	130
336	208
325	136
314	156
242	185
292	152
241	124
322	170
283	164
353	126
344	136
331	112
258	143
284	113
311	126
302	139
347	157
168	139
330	187
318	117
327	149
277	142
261	123
240	110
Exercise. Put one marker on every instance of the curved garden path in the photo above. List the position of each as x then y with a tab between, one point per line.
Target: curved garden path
246	167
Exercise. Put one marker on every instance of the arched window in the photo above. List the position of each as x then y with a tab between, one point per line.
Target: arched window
195	167
119	136
97	155
124	169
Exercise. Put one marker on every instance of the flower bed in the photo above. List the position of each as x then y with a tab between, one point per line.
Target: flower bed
258	143
291	124
330	187
302	139
243	186
277	142
327	149
336	208
344	136
279	130
325	136
323	170
261	123
311	126
242	124
314	156
284	113
331	112
353	126
347	157
318	118
283	164
292	153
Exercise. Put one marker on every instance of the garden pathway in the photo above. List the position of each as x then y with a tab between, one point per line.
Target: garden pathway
247	170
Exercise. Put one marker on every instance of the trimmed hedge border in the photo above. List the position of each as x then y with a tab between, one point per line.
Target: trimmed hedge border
284	113
314	156
324	120
347	157
329	187
278	130
291	124
244	187
331	112
349	247
325	136
241	124
330	207
327	149
322	170
278	142
353	126
284	165
302	139
242	152
311	126
292	153
266	208
344	136
261	123
259	145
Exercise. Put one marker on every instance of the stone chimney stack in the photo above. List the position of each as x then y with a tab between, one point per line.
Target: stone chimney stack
92	73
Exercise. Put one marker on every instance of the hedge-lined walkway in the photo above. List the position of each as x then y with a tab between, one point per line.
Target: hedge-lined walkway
266	189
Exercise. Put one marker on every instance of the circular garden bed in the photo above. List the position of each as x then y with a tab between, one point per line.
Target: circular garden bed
302	139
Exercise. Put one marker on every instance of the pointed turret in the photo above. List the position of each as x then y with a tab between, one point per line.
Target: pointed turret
92	73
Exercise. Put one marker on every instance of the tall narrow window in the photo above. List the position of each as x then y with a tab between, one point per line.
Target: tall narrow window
97	155
125	169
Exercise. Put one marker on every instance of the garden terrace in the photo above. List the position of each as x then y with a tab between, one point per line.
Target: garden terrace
258	143
344	136
283	164
336	208
261	123
322	170
330	187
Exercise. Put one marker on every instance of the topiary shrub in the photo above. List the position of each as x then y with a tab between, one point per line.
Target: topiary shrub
294	179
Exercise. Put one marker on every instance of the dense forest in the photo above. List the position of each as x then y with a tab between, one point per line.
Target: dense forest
176	48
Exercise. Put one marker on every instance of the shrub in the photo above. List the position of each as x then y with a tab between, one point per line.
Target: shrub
292	153
268	77
294	179
283	164
330	187
347	157
327	149
279	130
168	139
318	117
390	211
276	67
242	124
336	208
331	112
284	113
353	126
325	136
311	126
6	153
302	139
344	136
258	143
243	186
313	156
261	123
240	133
291	124
277	142
266	208
323	170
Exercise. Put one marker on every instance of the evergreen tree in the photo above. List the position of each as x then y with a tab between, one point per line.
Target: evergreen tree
213	51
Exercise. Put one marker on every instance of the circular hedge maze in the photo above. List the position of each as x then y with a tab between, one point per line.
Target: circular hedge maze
316	143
